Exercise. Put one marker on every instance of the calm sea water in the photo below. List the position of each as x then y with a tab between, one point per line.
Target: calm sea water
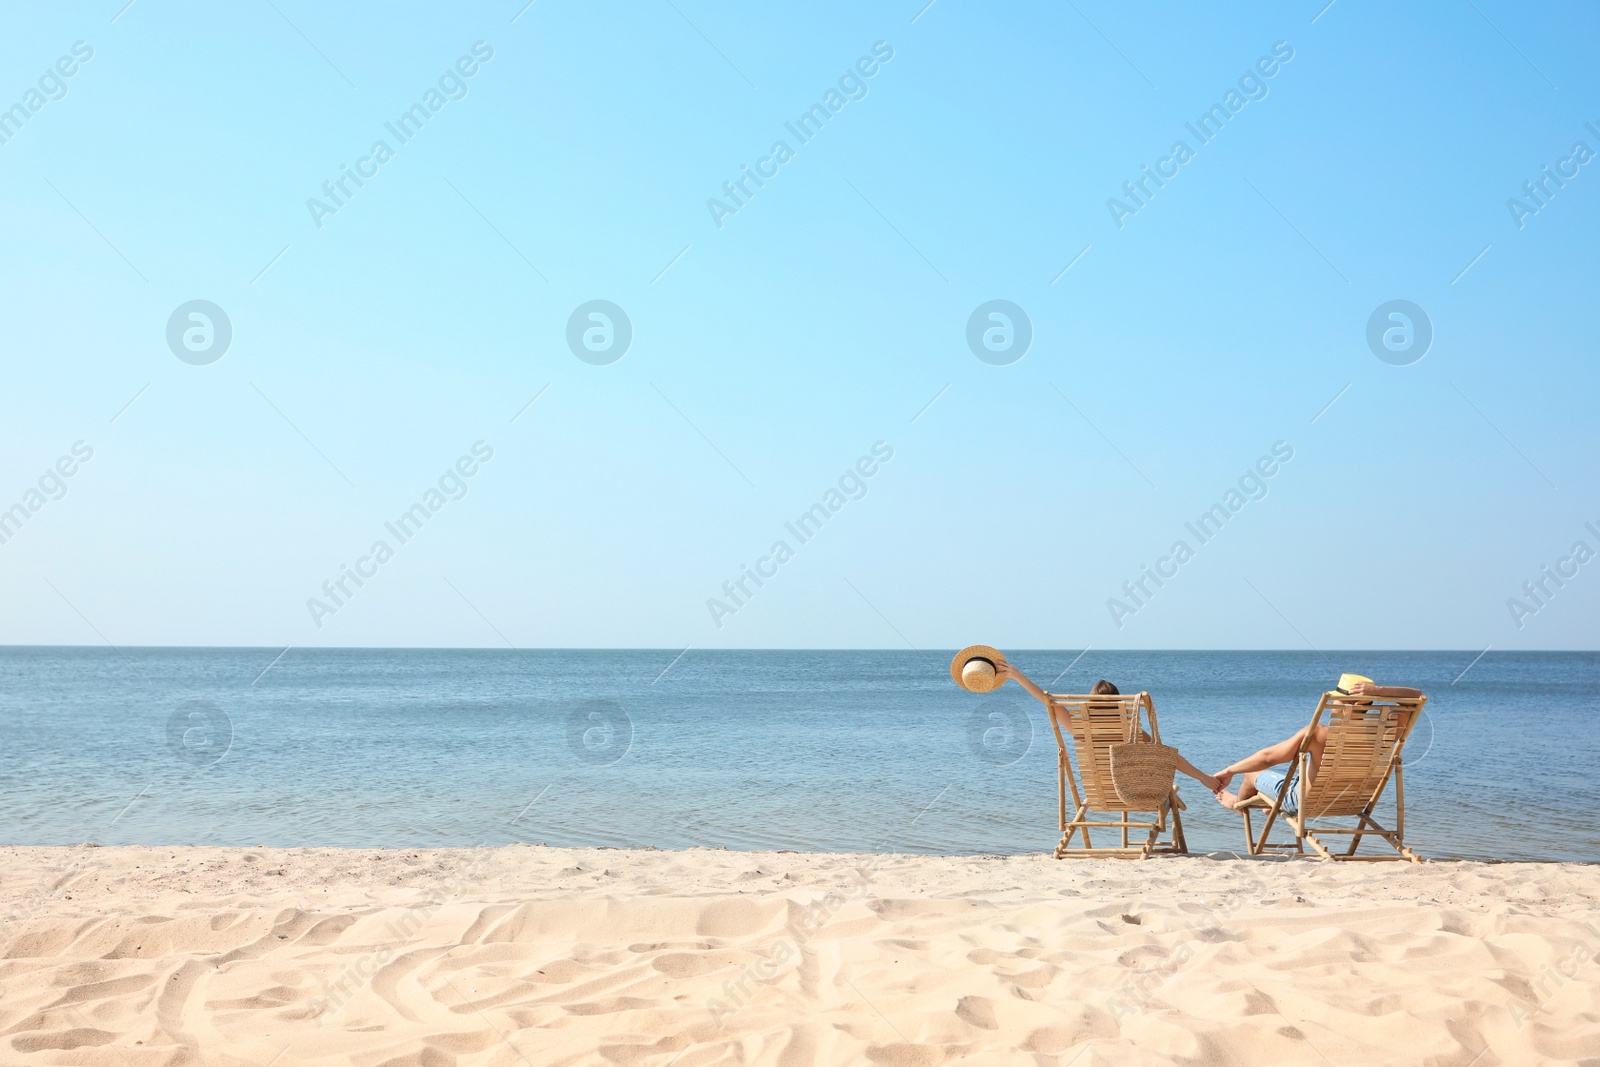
873	751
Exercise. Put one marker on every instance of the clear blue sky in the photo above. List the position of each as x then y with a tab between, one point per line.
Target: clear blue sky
770	353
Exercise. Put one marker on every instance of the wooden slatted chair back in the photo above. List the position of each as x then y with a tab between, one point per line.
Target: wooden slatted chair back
1363	742
1095	723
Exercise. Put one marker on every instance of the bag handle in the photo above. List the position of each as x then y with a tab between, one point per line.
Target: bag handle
1133	726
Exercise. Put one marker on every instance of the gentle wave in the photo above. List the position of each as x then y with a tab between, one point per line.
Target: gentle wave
813	751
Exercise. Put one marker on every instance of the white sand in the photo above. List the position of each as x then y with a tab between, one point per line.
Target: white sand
129	957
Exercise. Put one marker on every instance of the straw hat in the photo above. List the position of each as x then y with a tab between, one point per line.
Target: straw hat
1348	682
973	668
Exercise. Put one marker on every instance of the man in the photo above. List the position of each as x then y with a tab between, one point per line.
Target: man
1261	773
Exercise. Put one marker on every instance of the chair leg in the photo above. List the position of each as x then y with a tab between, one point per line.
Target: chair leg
1400	804
1367	827
1150	840
1249	833
1072	828
1135	849
1301	829
1266	830
1393	838
1061	789
1355	838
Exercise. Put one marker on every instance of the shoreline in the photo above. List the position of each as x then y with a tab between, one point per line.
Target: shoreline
1216	855
133	955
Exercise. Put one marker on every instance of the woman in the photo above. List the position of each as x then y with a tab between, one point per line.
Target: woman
1104	688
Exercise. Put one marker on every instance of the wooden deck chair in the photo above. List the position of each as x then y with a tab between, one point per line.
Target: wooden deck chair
1093	724
1362	753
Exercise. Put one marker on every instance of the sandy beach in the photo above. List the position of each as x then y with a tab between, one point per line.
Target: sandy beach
140	956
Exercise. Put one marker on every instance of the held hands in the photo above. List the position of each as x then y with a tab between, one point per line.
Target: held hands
1222	778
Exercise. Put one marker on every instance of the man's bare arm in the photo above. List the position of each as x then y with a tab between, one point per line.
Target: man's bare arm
1390	692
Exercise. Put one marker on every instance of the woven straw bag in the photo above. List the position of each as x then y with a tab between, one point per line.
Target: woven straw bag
1142	770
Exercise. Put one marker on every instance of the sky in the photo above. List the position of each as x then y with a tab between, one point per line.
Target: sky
606	383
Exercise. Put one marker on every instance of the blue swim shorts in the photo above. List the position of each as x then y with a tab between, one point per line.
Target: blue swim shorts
1269	781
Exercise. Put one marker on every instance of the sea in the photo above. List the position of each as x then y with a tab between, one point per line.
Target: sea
837	751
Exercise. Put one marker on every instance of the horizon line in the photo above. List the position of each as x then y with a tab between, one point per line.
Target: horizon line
774	648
